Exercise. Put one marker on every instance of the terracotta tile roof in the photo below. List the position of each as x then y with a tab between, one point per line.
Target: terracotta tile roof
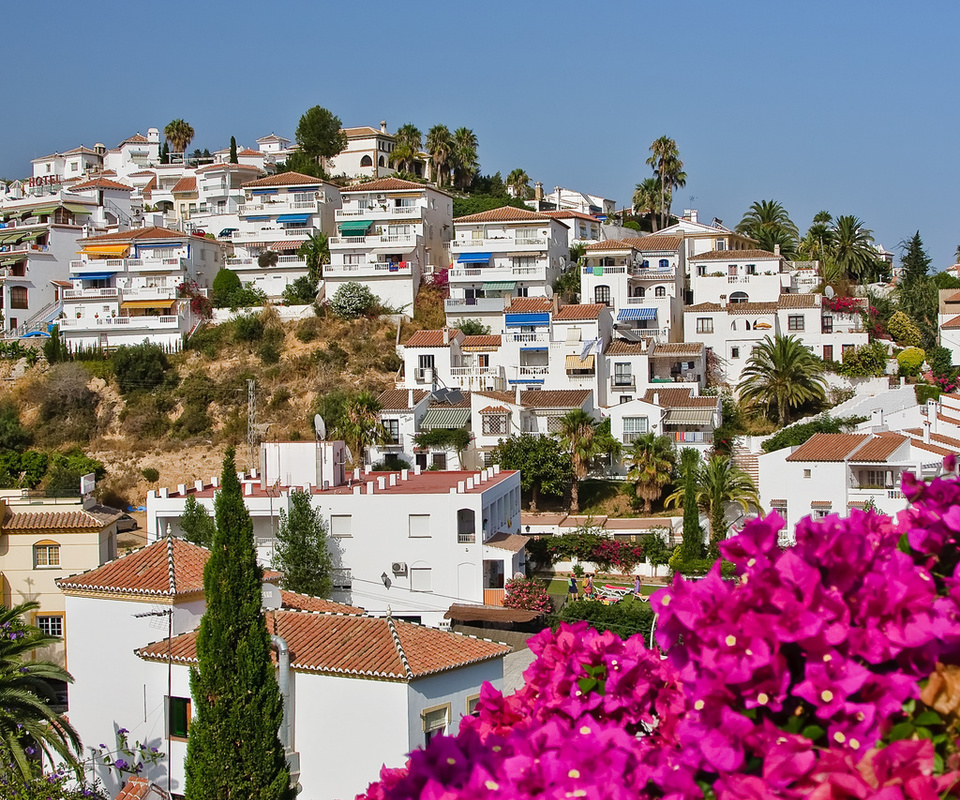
145	572
555	398
939	438
304	602
583	311
541	519
229	166
880	448
285	179
678	349
610	244
932	448
363	131
432	338
513	542
821	503
751	308
464	403
77	519
733	255
150	185
526	305
101	183
656	242
137	788
672	397
188	184
503	214
485	341
954	298
465	613
365	647
494	410
137	138
145	234
248	152
398	399
952	323
141	174
828	447
568	214
621	347
503	397
799	300
579	521
388	185
704	307
81	150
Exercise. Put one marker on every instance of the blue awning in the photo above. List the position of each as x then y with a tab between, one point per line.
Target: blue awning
299	218
519	320
259	218
525	380
161	245
637	313
266	191
534	349
474	258
93	276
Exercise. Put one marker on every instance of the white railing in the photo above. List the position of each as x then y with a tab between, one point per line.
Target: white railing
528	337
76	294
369	266
373	241
464	305
378	212
538	370
121	322
499	243
473	372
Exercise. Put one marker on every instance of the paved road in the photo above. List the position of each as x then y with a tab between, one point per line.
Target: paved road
513	666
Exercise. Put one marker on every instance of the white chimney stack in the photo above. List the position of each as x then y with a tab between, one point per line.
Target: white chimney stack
404	474
656	398
460	487
368	468
383	126
926	432
416	469
496	469
393	478
381	483
369	487
198	485
181	488
410	398
356	474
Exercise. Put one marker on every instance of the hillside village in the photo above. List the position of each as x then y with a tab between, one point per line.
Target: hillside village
455	395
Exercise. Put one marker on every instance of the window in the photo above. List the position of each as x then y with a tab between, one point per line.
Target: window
51	626
734	352
827	323
732	270
795	322
721	244
644	264
494	424
472	701
845	349
434	721
419	526
664	264
660	291
704	324
342	579
806	473
739	297
626	398
828	352
392	428
634	427
366	161
439	460
420	579
622	374
46	554
18	297
639	292
601	294
179	713
341	525
524	262
476	234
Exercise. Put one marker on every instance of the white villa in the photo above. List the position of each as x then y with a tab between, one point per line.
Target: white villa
367	154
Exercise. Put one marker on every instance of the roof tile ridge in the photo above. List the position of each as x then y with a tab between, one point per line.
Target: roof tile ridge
398	645
171	568
869	438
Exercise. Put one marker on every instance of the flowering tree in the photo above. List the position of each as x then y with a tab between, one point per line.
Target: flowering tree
528	594
830	669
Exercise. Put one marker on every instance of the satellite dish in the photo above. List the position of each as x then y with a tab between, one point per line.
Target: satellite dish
319	427
349	454
828	292
548	291
270	599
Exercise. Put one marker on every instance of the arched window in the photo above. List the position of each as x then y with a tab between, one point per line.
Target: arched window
382	162
601	294
606	262
664	263
639	292
660	291
46	554
366	161
739	297
466	526
644	264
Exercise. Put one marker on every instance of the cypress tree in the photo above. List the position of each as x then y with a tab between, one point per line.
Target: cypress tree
233	150
301	553
692	547
915	261
233	749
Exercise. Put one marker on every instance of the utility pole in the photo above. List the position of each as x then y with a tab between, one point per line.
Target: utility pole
252	421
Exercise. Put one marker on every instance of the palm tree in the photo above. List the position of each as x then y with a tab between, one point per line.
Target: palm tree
852	247
956	255
519	182
666	163
440	147
647	198
465	164
817	242
578	434
719	483
652	459
768	222
408	143
316	252
27	722
782	373
179	134
361	426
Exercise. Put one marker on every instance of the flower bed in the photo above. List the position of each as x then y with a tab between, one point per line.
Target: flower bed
830	669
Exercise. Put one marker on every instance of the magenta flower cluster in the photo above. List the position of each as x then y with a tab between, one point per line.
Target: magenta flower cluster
803	677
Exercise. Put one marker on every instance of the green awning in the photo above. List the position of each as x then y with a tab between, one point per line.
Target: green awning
76	208
689	416
7	238
499	286
356	227
448	418
36	212
9	262
29	237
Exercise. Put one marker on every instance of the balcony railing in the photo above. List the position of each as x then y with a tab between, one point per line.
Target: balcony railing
378	213
369	267
409	240
534	371
527	337
466	538
86	323
474	305
85	294
623	384
499	243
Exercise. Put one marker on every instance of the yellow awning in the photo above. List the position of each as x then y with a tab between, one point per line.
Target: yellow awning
106	250
574	362
147	303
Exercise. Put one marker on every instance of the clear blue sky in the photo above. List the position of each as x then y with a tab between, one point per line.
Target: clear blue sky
845	106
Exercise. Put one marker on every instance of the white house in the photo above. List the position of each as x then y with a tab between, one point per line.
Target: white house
561	199
949	322
503	253
699	237
391	233
391	683
69	166
219	195
739	276
134	153
118	206
367	154
633	367
130	286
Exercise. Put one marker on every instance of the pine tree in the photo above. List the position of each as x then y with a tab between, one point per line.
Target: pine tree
233	150
692	547
233	750
915	261
301	554
196	524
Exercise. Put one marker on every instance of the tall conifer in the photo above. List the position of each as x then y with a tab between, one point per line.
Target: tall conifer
233	750
692	546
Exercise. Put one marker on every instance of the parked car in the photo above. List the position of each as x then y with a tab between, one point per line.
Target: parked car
226	233
126	523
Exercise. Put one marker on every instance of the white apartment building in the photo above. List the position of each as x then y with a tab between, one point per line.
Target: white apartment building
503	253
134	154
740	276
127	288
67	167
280	213
118	206
449	359
390	234
274	146
584	228
561	199
698	237
642	280
634	367
38	239
391	683
367	154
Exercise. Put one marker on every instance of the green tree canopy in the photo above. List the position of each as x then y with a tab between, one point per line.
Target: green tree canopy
140	367
666	163
544	467
651	460
319	134
179	133
781	374
464	157
408	142
440	146
578	435
519	183
768	222
301	552
197	525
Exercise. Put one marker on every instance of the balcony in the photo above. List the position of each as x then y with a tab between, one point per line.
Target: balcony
271	234
653	274
91	294
287	262
380	213
527	337
279	207
79	268
537	273
123	323
534	371
501	244
400	241
475	305
382	269
623	384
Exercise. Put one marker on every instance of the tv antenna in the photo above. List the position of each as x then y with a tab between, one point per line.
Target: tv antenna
252	420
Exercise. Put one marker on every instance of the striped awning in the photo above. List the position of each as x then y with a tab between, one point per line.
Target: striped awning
147	303
574	362
636	313
499	286
277	246
106	249
689	416
448	418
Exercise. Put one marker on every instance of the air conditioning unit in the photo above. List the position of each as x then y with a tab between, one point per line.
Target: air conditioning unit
425	375
398	568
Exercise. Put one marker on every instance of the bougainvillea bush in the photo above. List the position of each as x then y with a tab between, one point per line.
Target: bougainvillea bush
528	594
830	669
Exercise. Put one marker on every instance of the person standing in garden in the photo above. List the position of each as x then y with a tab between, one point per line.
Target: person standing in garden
572	588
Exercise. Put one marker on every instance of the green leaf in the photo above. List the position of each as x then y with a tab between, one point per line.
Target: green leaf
587	685
928	717
924	733
910	706
904	544
794	724
902	731
937	764
812	732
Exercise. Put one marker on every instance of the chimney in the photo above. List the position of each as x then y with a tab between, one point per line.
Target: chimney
164	492
932	416
446	335
248	489
656	398
181	489
496	469
198	485
469	484
538	190
517	393
776	249
691	214
383	126
367	469
926	432
215	481
460	487
369	487
153	136
356	489
876	420
409	398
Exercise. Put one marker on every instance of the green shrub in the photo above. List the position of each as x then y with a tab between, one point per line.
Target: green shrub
65	471
924	392
68	407
13	436
473	327
910	361
280	398
308	329
225	284
150	474
22	470
145	414
797	434
193	421
248	328
268	258
54	350
247	297
334	356
197	389
353	300
867	361
904	330
301	292
142	366
625	618
207	340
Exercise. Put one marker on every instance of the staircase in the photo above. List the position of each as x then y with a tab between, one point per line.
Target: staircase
39	321
748	462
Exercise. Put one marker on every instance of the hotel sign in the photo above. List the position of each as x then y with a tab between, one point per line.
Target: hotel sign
44	180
